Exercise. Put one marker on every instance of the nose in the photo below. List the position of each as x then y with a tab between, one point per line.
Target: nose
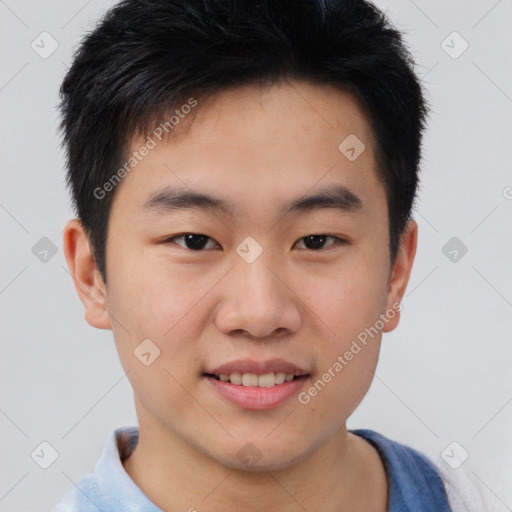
258	302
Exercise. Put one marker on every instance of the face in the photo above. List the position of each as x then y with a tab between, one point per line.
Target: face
273	277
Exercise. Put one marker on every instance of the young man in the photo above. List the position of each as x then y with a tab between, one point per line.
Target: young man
243	174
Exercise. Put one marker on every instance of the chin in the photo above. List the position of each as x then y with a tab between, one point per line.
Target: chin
252	457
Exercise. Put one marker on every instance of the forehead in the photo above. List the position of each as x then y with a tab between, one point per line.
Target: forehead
259	142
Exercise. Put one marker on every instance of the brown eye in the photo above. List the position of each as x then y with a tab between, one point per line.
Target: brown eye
193	241
317	242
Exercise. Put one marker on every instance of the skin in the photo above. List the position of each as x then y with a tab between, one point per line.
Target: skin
258	147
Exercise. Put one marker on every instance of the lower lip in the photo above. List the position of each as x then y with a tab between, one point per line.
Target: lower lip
255	398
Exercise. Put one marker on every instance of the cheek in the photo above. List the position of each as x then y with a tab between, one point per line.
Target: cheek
346	304
346	300
343	377
349	386
169	307
153	295
165	309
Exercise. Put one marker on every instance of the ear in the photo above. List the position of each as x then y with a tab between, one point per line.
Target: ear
88	282
401	271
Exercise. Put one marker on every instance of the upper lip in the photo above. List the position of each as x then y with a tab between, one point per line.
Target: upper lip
257	367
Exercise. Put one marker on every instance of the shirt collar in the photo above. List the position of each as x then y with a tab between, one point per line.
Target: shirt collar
113	479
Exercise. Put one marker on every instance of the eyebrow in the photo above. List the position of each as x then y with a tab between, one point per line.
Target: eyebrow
169	199
337	196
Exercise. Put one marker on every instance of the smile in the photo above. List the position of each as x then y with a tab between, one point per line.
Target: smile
267	380
256	385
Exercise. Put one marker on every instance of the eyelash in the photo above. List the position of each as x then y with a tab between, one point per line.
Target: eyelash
337	241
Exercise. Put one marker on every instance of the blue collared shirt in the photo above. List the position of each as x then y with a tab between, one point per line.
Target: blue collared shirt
414	483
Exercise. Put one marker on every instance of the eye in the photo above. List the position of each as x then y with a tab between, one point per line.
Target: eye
192	241
317	242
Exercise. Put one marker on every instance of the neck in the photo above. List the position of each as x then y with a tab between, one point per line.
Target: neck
343	474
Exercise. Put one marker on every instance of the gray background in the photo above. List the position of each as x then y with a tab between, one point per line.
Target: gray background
444	374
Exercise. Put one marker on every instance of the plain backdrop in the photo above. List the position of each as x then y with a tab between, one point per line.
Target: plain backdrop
444	374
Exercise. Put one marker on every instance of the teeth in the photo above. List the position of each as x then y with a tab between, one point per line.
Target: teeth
235	378
249	379
266	380
280	377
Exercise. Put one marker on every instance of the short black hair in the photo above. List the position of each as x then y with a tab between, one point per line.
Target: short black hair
147	57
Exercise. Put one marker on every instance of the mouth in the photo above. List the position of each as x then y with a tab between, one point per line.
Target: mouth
257	385
265	380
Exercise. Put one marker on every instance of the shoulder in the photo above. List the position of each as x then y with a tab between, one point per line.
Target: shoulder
402	461
410	467
108	488
414	482
81	497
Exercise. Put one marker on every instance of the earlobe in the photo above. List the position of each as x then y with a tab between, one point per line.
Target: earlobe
401	272
86	277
